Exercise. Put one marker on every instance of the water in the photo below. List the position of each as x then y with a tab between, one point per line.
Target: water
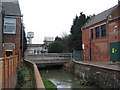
62	79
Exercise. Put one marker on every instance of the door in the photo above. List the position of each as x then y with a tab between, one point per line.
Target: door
115	51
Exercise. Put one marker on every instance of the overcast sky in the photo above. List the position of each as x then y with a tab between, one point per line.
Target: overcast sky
51	18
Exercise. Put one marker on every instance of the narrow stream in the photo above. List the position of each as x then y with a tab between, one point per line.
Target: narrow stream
62	79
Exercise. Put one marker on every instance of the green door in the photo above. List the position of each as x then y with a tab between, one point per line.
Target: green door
115	51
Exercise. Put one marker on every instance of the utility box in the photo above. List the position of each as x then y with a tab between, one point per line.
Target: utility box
115	51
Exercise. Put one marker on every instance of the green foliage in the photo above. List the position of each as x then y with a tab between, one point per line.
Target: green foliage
20	77
71	42
23	42
48	84
55	47
25	77
57	39
76	32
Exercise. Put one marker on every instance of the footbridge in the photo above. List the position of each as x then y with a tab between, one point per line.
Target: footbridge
49	58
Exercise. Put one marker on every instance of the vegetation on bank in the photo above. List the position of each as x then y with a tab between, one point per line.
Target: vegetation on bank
24	77
49	85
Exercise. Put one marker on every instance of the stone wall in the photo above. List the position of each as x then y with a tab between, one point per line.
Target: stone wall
95	75
98	76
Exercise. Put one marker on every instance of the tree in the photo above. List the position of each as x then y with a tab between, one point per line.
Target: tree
76	32
55	47
57	39
23	41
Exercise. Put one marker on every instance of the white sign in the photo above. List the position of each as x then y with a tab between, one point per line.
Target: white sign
83	46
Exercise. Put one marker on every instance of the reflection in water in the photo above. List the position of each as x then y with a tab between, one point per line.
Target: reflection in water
62	79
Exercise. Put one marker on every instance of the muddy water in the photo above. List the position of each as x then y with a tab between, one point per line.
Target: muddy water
62	79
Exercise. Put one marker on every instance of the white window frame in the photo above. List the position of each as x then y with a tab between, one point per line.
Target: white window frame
9	22
9	44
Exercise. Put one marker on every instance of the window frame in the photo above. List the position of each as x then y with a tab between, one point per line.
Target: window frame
97	32
92	33
103	30
9	44
9	22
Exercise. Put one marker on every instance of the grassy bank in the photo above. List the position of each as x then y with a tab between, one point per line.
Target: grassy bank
24	77
48	84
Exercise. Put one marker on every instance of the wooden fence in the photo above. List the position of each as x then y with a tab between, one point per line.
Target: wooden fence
8	66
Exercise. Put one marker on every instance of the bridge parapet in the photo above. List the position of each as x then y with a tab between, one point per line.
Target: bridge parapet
49	58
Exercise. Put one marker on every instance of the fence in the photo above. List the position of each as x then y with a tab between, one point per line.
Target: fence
77	55
8	66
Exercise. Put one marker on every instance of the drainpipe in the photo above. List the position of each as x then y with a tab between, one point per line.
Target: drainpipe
90	50
1	23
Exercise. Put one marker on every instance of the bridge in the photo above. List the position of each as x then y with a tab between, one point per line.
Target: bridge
44	59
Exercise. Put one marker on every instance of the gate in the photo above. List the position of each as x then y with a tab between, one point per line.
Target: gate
115	51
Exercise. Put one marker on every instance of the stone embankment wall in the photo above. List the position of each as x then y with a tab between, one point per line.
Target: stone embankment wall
96	75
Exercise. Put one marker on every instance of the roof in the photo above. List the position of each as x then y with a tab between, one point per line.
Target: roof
11	8
99	17
9	0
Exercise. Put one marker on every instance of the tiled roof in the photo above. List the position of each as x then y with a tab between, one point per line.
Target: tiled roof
99	17
11	8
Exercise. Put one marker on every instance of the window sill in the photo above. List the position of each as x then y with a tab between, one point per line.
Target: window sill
99	38
10	33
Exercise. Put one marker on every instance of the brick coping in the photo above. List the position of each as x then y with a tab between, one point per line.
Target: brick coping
105	65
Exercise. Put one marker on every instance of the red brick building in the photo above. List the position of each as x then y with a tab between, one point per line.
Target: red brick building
101	36
11	26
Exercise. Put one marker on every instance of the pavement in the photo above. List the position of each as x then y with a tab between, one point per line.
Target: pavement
111	65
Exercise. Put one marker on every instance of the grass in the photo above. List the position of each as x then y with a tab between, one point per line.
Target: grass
48	84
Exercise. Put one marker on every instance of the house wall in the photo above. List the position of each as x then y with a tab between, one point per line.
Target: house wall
114	25
99	46
14	38
98	49
0	34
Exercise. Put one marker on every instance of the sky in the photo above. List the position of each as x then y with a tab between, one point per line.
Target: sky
51	18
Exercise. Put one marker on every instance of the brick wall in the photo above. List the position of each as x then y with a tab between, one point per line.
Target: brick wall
100	47
14	38
0	35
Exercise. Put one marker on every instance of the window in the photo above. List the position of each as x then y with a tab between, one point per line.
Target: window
9	25
103	30
97	32
91	33
9	48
